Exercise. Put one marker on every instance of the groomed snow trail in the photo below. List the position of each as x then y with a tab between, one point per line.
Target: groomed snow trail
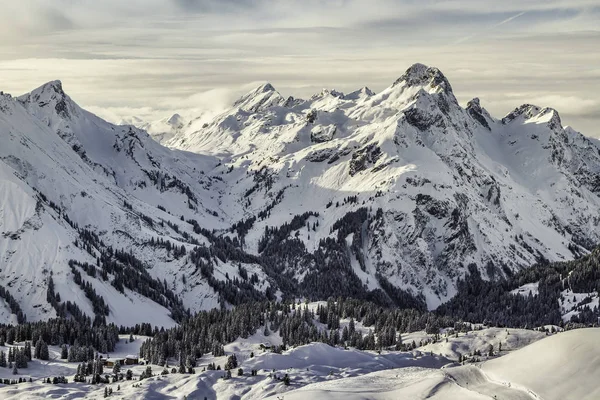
472	378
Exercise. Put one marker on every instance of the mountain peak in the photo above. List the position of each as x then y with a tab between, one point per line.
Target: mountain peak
52	88
175	120
329	92
50	93
478	113
552	117
474	103
359	94
55	85
367	91
423	75
265	87
527	110
259	99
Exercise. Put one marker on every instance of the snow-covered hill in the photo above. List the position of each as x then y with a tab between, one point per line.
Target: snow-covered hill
533	366
358	194
569	361
562	366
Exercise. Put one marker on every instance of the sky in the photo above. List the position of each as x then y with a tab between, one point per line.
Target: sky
152	58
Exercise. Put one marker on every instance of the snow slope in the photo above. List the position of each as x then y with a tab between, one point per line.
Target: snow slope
564	366
561	366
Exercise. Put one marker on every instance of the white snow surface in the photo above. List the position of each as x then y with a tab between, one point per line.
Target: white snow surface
526	289
572	303
559	366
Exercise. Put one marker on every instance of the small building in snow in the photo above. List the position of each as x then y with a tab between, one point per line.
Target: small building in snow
131	360
110	362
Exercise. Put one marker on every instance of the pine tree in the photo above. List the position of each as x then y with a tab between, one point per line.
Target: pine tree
148	371
64	352
231	363
44	354
3	363
28	350
41	350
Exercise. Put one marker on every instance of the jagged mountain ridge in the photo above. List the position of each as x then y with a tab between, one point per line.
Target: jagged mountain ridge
78	188
455	185
162	130
354	194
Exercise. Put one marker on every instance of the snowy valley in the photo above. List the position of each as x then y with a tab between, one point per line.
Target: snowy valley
474	362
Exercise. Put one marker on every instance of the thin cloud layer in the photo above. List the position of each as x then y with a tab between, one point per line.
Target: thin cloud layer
157	57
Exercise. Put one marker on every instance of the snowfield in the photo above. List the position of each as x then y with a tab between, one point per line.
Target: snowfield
562	366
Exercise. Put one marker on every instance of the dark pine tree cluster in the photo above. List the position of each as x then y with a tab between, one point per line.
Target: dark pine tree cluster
15	308
208	331
62	331
492	302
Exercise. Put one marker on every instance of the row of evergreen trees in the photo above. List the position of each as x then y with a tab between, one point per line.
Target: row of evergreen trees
207	331
80	337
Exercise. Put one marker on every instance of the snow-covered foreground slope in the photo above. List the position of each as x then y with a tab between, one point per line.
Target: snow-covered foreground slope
564	366
560	366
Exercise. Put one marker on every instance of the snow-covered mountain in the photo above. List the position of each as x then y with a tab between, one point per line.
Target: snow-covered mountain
454	185
162	130
75	187
358	194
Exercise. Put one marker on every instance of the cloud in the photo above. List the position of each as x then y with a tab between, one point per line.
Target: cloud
155	57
